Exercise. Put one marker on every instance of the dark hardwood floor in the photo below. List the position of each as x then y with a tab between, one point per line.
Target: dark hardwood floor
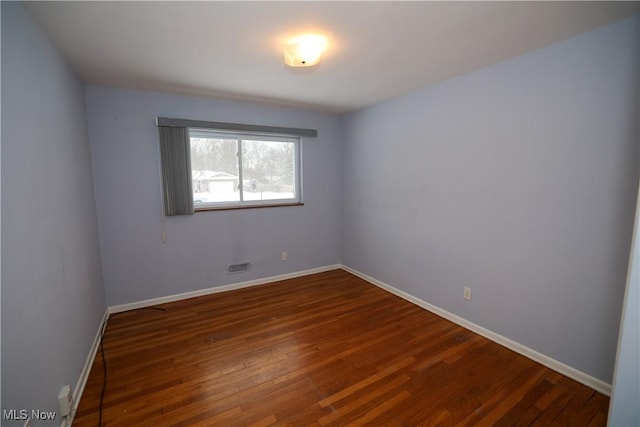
326	349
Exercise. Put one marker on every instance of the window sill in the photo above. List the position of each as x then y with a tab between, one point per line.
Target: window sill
229	208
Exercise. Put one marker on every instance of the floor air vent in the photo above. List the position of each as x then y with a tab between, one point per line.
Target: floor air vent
238	268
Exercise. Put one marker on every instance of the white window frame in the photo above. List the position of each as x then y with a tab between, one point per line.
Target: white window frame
239	137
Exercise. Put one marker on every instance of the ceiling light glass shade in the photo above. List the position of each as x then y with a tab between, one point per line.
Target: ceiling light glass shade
304	51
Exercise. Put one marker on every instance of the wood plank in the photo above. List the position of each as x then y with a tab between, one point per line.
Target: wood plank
321	350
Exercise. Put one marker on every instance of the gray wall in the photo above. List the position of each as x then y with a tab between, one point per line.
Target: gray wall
518	181
137	265
52	294
625	398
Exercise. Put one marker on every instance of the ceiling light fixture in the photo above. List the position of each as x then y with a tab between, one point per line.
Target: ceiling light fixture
304	51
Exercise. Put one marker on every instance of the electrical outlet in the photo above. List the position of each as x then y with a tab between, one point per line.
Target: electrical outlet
285	256
467	293
65	401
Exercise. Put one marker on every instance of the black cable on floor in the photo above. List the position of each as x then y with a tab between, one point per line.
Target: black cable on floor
104	360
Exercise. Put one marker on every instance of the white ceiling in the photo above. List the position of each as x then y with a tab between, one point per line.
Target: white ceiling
376	50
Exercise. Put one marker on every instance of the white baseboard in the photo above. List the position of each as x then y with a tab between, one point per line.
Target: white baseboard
545	360
84	374
217	289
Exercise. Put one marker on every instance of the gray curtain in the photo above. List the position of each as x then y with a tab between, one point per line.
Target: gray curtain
175	160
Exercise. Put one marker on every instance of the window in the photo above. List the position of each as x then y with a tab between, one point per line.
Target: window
231	169
216	165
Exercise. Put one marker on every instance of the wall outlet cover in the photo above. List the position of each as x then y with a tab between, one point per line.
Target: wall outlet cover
65	400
